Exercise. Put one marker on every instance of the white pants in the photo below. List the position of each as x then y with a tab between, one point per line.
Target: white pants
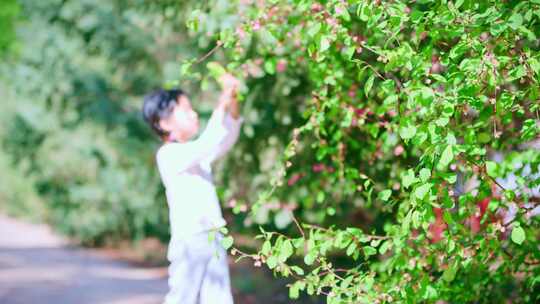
198	272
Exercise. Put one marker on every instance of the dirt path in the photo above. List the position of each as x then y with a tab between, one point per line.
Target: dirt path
37	266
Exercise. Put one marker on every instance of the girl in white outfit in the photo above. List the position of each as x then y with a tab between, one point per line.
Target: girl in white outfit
198	272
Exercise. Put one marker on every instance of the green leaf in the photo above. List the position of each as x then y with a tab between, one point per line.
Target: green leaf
515	21
368	250
491	168
498	28
346	282
298	270
535	65
215	69
324	44
442	121
517	73
518	235
369	84
294	290
331	211
407	132
451	243
266	248
425	174
349	52
450	177
415	219
450	273
458	50
270	66
385	194
347	120
185	67
314	29
439	78
192	22
272	262
527	32
310	258
385	246
510	195
375	242
421	191
267	36
446	157
431	292
408	178
391	100
344	13
363	11
227	242
286	251
351	248
294	293
529	129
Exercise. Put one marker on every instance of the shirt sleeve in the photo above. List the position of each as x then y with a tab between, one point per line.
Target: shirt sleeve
232	127
179	157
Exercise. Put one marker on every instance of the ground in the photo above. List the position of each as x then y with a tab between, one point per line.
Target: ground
38	266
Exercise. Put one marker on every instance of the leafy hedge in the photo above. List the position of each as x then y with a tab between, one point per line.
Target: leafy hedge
72	134
399	184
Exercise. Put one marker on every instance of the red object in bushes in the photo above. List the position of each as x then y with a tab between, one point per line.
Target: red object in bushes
437	228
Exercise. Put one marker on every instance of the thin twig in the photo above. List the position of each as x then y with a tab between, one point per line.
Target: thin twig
484	173
218	45
298	225
374	70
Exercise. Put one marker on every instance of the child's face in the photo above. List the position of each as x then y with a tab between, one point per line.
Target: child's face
183	123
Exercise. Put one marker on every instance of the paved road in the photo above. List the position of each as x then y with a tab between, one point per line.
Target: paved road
37	266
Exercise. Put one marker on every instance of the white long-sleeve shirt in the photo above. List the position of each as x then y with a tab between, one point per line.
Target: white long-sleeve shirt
187	176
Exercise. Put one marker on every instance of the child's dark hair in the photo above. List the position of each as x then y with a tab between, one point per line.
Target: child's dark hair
159	105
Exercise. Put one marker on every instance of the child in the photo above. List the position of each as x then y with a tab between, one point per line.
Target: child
196	273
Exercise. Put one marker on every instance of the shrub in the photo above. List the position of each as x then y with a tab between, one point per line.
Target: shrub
410	120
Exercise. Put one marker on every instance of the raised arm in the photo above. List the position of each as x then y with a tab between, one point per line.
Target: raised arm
232	126
232	120
219	135
182	156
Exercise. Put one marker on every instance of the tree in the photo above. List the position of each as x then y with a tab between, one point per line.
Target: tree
407	102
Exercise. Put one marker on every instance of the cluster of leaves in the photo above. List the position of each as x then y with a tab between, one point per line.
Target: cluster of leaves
413	172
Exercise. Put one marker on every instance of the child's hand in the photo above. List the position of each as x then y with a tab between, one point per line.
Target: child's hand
228	99
229	83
